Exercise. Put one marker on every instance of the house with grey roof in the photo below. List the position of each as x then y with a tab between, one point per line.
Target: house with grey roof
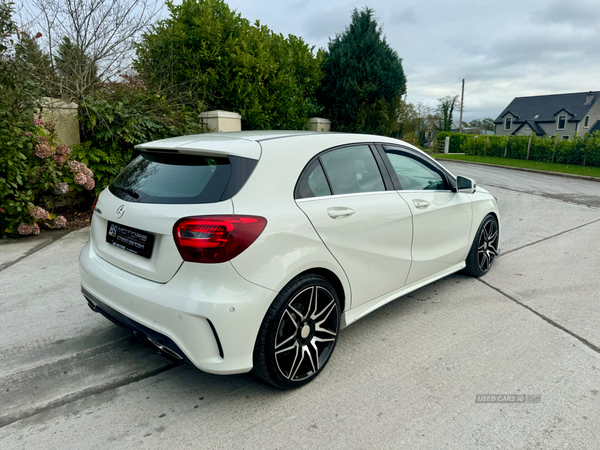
549	115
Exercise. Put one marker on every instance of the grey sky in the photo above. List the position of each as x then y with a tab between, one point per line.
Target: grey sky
503	49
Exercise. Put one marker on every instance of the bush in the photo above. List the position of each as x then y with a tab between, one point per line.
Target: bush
206	52
121	115
457	141
36	173
581	150
35	170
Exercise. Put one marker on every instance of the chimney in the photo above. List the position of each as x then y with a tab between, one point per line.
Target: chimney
589	99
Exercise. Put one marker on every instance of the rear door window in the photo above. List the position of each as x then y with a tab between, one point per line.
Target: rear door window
173	179
352	170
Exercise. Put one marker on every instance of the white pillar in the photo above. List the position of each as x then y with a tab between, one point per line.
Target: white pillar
221	121
64	117
319	124
447	144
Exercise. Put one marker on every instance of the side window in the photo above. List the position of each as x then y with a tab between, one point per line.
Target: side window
413	174
352	170
313	182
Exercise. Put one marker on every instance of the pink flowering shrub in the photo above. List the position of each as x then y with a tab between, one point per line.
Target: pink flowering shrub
89	184
60	159
62	149
76	166
39	213
60	222
61	188
24	229
43	176
80	178
43	151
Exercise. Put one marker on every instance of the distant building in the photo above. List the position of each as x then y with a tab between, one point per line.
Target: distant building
549	115
473	130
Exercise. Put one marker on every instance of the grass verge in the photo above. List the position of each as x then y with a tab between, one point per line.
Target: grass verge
536	165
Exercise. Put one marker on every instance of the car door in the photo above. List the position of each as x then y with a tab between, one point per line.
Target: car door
441	216
367	228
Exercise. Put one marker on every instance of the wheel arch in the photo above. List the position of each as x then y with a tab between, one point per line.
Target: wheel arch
334	280
482	207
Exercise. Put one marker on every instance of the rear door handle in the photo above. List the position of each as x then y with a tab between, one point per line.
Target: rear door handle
421	203
334	213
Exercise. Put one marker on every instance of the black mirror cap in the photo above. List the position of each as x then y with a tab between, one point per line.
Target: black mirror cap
466	185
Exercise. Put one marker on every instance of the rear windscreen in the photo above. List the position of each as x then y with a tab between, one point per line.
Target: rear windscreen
173	179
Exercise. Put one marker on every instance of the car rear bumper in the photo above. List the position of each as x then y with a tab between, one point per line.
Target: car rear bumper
207	315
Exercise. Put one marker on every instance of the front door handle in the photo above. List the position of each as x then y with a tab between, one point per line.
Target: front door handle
421	203
334	213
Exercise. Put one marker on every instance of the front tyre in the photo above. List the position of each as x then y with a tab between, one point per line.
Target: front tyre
299	333
484	249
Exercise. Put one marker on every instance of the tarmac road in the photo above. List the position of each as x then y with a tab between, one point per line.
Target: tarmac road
406	376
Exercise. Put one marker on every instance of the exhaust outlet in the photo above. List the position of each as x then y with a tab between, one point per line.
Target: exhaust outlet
91	305
166	350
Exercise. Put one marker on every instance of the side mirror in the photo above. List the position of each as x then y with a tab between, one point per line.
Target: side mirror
465	185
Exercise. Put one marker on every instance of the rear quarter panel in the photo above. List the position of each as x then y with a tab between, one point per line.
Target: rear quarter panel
289	245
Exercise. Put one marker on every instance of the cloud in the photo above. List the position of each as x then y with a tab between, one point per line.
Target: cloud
322	24
580	13
408	16
503	50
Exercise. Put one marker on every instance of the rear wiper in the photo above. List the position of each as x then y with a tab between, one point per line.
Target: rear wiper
132	193
129	192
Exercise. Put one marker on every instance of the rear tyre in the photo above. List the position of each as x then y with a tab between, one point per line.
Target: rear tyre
298	334
484	249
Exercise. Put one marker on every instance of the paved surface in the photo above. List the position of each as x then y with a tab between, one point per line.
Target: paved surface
406	376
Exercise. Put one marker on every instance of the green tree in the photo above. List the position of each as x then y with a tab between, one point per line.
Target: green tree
446	110
7	26
364	81
35	64
76	73
486	123
205	52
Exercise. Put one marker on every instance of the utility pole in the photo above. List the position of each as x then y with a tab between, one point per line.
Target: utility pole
462	98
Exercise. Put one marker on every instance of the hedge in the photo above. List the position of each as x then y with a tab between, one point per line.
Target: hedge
581	150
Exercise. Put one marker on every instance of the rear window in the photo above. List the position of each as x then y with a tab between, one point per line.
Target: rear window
173	179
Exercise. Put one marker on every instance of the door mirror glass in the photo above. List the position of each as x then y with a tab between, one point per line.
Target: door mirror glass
465	185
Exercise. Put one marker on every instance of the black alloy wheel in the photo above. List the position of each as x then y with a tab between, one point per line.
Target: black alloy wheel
484	249
299	333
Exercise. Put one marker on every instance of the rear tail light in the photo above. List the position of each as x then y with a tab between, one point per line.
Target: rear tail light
93	208
216	239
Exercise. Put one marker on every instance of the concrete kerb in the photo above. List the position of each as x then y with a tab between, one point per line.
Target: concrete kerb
14	250
522	169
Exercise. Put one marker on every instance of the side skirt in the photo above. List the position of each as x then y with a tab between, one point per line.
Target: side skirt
359	312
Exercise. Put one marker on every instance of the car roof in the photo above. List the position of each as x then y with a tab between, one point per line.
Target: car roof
247	143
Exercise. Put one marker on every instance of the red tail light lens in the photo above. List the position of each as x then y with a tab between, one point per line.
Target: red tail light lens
216	239
94	207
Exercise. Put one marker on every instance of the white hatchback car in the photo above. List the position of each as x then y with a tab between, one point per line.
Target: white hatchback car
238	252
